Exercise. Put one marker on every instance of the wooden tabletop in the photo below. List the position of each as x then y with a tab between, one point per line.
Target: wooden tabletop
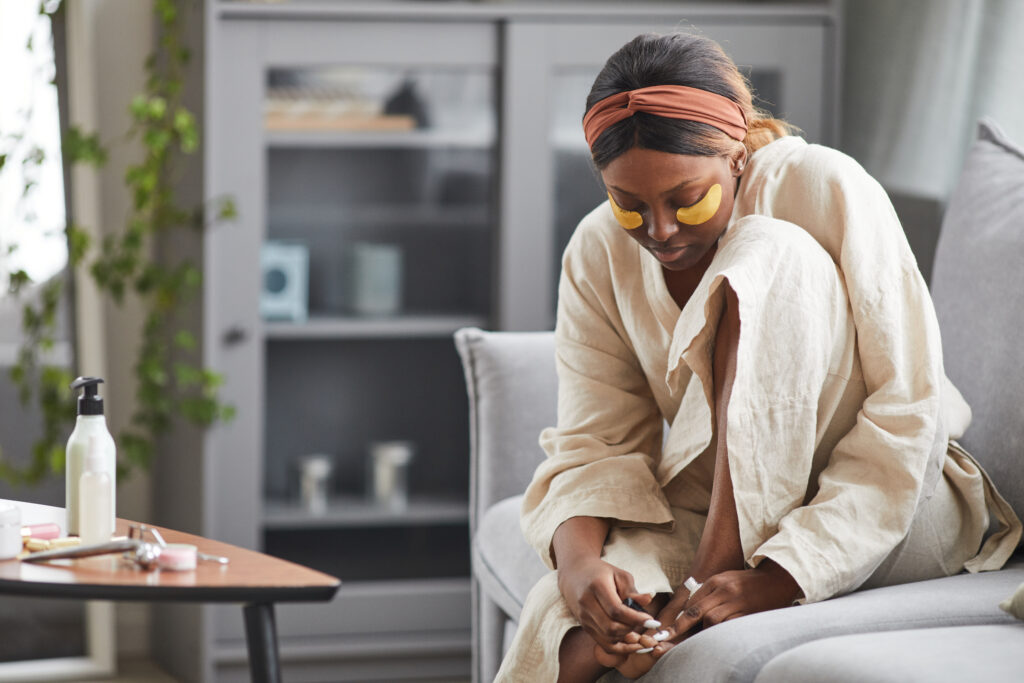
249	577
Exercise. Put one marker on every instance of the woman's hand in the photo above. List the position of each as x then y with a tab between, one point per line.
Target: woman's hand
594	591
728	595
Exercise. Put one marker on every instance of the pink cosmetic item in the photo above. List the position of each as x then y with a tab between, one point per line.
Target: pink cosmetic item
179	557
44	532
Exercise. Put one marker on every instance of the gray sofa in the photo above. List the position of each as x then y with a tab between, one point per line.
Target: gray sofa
948	629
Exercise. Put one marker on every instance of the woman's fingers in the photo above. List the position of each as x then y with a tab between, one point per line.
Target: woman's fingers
722	597
604	629
628	593
605	618
723	612
623	619
625	648
636	602
694	609
621	648
670	612
686	619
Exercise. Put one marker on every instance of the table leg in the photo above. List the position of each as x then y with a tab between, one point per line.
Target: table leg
261	639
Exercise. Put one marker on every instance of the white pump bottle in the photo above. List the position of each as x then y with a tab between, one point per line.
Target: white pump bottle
90	423
95	490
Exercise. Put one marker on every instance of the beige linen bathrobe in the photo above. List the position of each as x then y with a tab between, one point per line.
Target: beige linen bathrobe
840	418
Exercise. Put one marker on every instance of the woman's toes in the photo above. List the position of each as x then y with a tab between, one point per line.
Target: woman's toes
636	665
607	659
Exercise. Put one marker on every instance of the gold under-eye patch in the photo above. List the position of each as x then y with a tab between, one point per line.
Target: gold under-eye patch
702	211
627	219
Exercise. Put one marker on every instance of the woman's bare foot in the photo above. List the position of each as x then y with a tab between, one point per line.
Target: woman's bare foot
636	665
576	664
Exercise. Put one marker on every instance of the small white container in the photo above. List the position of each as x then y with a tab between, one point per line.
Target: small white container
375	278
10	531
389	461
177	557
314	481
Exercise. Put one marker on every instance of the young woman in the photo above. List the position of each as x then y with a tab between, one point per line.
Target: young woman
752	407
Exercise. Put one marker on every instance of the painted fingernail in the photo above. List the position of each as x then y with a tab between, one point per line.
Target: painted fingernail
652	623
645	651
661	635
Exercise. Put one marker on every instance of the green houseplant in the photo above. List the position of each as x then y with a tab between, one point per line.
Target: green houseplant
169	380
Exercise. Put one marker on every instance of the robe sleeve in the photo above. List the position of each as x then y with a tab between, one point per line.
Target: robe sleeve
868	493
601	456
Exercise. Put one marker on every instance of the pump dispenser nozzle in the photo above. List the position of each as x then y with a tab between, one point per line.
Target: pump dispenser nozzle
90	402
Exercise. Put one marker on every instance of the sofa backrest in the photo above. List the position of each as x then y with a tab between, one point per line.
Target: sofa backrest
513	394
978	289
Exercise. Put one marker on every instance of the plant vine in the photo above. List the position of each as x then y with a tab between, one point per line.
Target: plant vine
169	379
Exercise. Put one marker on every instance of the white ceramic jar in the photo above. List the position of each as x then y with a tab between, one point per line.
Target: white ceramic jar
10	531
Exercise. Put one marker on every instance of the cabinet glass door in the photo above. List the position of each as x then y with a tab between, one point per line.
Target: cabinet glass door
379	234
551	69
380	182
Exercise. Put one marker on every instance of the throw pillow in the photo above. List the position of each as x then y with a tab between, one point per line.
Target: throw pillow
977	284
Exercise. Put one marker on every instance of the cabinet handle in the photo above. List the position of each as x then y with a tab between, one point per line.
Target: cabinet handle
234	336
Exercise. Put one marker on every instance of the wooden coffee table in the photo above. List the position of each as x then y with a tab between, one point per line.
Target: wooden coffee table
251	578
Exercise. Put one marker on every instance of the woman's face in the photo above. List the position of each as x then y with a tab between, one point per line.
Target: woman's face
670	204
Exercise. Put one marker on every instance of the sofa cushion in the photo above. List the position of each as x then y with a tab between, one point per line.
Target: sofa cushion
989	653
503	562
737	650
976	285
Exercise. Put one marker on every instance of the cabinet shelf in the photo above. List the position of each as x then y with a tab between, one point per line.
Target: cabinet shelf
414	139
366	215
352	511
341	327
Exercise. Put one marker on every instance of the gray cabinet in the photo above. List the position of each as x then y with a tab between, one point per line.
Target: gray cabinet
443	140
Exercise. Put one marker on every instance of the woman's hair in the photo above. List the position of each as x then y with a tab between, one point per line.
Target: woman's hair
676	59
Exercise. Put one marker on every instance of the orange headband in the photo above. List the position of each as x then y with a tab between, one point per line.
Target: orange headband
670	101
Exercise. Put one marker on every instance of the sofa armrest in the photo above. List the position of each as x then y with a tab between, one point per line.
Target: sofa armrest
512	387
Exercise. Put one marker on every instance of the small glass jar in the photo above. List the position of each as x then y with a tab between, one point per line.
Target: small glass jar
10	531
